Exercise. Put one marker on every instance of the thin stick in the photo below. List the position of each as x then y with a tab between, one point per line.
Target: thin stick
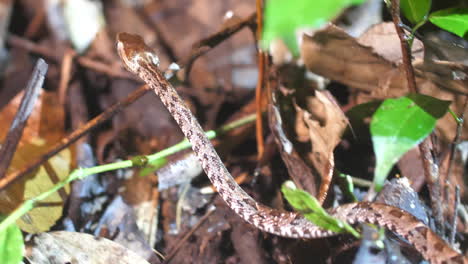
431	170
405	50
36	22
260	83
83	61
203	46
74	136
182	241
65	72
431	173
28	101
456	140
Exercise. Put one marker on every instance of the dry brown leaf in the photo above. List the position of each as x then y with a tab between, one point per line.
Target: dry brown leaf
337	56
302	175
325	122
45	127
382	39
318	124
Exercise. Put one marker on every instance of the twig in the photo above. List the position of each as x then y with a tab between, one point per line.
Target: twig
455	215
431	173
405	50
182	241
65	73
456	140
83	61
75	135
28	101
260	83
431	170
203	46
155	26
32	47
105	68
36	22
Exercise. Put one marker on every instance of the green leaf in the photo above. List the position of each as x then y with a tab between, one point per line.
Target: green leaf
283	17
454	20
400	124
11	245
313	211
415	10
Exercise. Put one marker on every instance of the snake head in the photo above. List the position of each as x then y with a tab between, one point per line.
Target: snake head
134	52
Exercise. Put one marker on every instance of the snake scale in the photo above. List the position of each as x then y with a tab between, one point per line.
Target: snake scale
142	61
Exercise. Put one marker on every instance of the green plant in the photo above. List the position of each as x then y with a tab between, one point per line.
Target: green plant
452	19
284	17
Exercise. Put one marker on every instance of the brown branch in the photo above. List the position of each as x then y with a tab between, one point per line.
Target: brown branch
83	61
30	46
65	74
405	49
203	46
456	140
262	60
431	169
431	173
28	101
182	241
37	21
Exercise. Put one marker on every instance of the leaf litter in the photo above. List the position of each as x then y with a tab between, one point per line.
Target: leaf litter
130	209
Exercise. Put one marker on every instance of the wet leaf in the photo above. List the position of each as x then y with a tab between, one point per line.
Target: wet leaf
400	124
415	10
454	20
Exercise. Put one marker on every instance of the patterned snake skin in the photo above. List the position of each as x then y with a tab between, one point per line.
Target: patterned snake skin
141	60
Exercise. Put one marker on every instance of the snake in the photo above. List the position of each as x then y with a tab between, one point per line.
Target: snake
142	61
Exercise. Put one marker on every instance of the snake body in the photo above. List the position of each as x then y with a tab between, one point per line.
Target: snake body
142	61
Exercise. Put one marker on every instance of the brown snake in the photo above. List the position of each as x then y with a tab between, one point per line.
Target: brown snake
141	60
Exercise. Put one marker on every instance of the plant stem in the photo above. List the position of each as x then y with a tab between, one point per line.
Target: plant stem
82	173
406	52
431	169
